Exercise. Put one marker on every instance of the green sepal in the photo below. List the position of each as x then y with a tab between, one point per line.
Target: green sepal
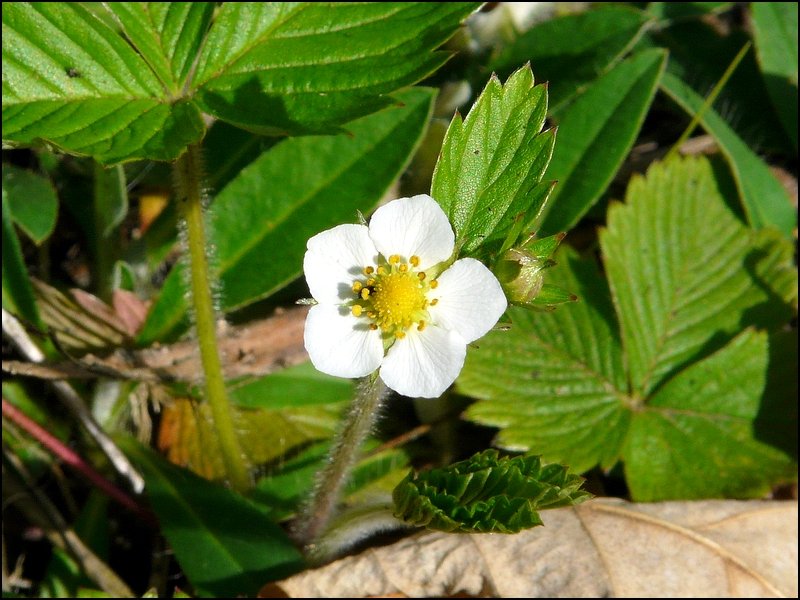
486	493
550	297
521	272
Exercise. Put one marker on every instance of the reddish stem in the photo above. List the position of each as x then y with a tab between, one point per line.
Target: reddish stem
72	459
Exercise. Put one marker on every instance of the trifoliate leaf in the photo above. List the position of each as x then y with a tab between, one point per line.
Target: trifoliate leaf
680	395
486	493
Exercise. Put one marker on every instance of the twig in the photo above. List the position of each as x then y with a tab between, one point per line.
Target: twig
62	536
71	458
14	332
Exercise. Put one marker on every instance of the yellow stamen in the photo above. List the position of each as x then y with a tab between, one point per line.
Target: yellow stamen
403	268
434	284
414	260
369	270
372	326
370	282
381	270
357	287
434	302
421	276
400	335
394	259
421	326
365	293
356	310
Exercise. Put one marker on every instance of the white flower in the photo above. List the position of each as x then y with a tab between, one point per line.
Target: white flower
384	301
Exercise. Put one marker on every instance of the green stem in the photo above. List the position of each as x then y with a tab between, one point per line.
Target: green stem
318	512
712	97
189	176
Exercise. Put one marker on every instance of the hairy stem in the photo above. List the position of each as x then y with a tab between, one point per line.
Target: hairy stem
320	509
189	177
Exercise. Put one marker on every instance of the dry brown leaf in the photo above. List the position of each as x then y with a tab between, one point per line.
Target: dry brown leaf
601	548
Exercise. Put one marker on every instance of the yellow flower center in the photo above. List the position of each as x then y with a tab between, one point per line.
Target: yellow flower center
397	298
393	296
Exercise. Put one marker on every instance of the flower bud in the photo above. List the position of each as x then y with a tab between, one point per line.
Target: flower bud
521	273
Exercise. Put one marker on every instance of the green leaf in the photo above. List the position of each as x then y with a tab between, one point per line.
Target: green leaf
18	295
491	161
775	32
571	51
167	35
297	386
763	197
595	135
263	218
71	81
687	277
555	379
32	202
685	274
226	545
295	68
695	437
486	494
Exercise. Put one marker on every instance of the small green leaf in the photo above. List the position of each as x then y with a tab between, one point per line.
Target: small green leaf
595	135
32	202
491	161
763	197
686	275
263	218
572	50
72	81
281	68
18	295
486	494
226	545
695	437
775	32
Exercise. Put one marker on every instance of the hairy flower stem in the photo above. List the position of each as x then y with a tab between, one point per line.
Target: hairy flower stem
189	177
318	512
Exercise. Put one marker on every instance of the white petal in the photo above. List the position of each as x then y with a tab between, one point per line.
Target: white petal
424	364
334	259
413	226
341	345
470	299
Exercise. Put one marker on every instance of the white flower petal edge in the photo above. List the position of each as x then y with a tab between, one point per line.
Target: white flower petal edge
424	364
415	226
339	344
334	259
470	299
